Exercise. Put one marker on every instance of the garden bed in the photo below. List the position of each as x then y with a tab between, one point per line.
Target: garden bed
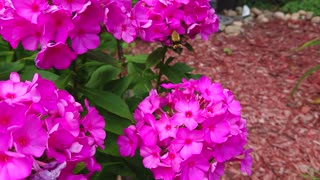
261	69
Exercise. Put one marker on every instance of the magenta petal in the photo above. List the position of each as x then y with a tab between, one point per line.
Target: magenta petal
56	55
16	166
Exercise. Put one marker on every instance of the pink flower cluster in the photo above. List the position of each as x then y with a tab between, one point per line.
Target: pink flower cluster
188	133
49	24
42	135
155	20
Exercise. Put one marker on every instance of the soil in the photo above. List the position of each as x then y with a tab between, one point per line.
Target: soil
261	71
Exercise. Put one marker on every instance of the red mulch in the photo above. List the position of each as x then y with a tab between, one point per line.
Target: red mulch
263	68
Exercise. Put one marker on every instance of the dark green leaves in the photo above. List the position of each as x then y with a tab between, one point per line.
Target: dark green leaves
155	57
108	101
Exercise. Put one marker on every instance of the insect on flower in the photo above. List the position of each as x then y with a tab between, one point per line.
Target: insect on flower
176	40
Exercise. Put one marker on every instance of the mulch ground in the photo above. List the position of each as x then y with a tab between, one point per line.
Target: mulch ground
262	69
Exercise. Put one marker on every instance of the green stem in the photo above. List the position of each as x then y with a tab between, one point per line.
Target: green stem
160	72
121	56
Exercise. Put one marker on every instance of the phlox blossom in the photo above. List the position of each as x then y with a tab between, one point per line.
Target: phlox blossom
189	132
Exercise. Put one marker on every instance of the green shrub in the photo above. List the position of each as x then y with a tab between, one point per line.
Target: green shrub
307	5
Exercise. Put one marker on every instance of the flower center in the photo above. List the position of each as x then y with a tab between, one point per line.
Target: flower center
22	141
168	127
188	114
35	7
4	158
191	164
171	156
188	141
4	120
207	92
10	96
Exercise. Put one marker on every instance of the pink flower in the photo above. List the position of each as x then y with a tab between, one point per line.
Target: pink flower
165	128
11	117
188	142
216	171
84	35
150	103
232	147
210	91
56	55
30	9
16	92
14	165
151	156
246	163
165	173
57	24
58	143
191	131
128	142
173	159
188	113
31	138
194	168
94	124
216	129
70	5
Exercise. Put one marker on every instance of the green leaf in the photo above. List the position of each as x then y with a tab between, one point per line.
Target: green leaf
108	101
111	146
140	58
169	60
176	72
189	47
29	71
63	80
119	86
305	75
314	42
102	57
7	68
115	124
102	75
156	56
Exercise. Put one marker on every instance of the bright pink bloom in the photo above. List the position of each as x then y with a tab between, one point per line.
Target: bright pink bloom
173	159
70	5
151	156
14	165
11	117
246	163
31	138
234	146
195	128
128	142
58	143
194	168
84	35
165	128
16	92
210	91
216	171
165	173
94	124
188	113
30	9
217	130
150	103
188	142
56	55
57	24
